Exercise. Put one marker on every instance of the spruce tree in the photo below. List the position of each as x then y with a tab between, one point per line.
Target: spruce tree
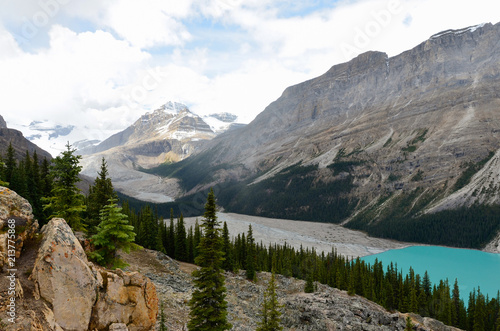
66	201
251	258
208	304
163	327
270	312
2	173
36	190
309	287
113	233
479	313
228	263
10	163
171	236
190	245
497	323
197	237
46	178
409	324
148	228
98	197
159	237
164	235
181	250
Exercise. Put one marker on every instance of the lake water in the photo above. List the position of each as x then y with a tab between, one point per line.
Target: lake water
472	268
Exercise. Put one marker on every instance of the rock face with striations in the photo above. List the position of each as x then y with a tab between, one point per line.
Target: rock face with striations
82	295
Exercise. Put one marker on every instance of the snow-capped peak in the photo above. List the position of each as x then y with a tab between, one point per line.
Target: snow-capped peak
173	107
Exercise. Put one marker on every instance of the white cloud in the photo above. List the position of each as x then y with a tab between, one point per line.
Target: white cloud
147	26
76	72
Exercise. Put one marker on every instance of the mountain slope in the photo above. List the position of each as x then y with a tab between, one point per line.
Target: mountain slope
371	138
19	143
168	134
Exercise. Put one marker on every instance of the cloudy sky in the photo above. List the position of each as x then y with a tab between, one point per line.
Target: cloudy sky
99	65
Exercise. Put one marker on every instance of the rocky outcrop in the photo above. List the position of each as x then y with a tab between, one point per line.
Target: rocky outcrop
64	278
15	208
128	298
82	295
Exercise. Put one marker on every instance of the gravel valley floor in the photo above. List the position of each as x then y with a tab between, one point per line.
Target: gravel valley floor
322	236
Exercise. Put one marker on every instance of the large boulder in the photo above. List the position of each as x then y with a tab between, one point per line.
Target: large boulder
126	297
64	277
15	211
84	296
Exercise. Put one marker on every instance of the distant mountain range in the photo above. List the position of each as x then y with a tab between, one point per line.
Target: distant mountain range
167	135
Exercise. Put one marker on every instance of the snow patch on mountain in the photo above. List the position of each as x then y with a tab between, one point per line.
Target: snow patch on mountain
457	32
53	136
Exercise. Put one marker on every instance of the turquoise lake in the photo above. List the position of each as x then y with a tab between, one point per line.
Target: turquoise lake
472	268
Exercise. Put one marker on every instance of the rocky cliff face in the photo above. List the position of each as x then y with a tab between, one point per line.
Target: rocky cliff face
387	125
438	101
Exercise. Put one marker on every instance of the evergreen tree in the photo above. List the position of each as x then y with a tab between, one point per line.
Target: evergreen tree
66	201
171	236
164	235
409	324
208	304
10	163
113	233
196	238
2	173
148	228
181	250
190	245
497	323
36	189
251	257
18	180
159	235
228	263
163	327
479	313
46	179
270	308
98	197
309	287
